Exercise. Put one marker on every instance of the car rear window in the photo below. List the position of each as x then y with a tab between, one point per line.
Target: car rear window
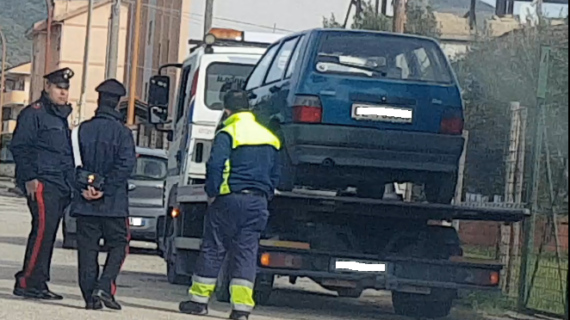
377	55
150	168
220	78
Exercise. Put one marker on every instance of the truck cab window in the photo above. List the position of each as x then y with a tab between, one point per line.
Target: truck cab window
182	93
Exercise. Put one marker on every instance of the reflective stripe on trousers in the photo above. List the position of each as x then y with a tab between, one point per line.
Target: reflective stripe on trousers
242	295
202	289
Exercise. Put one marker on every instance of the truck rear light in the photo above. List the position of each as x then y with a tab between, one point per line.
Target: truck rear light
307	109
479	277
452	123
281	260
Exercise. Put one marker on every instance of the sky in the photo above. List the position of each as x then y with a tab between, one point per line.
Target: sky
295	15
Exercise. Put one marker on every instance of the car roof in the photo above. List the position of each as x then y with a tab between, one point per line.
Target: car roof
355	31
152	152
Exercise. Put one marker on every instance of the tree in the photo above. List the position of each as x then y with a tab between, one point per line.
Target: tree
421	20
497	71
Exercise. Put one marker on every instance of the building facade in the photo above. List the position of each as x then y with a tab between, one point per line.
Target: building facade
16	97
163	39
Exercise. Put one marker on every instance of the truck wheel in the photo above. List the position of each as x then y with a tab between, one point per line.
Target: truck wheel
223	284
173	276
375	191
263	288
420	306
441	188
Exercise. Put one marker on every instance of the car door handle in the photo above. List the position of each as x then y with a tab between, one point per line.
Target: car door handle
275	89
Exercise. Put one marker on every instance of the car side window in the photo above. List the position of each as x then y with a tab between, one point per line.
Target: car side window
294	59
257	76
182	93
280	62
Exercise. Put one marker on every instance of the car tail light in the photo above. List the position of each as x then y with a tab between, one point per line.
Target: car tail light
452	123
281	260
307	109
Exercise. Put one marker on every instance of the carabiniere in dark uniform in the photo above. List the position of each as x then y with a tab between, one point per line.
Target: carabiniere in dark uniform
41	147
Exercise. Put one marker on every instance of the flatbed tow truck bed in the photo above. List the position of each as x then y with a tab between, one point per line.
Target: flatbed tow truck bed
427	273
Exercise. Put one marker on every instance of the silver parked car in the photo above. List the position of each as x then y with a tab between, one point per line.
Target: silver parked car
146	200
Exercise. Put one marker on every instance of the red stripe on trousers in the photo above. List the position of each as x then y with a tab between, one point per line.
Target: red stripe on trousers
39	236
127	251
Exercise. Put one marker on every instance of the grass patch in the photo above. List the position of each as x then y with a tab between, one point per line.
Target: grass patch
547	292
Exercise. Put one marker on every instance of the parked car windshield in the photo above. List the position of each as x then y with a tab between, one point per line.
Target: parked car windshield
220	78
377	55
150	168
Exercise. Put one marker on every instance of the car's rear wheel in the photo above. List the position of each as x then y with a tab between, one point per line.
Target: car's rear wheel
440	188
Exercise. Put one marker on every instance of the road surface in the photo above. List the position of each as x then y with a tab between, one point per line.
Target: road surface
145	293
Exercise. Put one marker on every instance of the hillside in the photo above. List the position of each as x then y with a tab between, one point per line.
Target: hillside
17	16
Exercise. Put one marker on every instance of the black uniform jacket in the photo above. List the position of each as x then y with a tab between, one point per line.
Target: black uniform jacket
107	149
41	145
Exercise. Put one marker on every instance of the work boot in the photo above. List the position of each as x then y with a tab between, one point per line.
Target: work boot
191	307
107	299
239	315
94	304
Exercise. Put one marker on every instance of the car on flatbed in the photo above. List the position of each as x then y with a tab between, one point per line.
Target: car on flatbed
361	109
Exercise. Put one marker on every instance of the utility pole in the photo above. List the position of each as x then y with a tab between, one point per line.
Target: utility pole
134	64
3	70
208	16
47	58
399	16
82	99
113	47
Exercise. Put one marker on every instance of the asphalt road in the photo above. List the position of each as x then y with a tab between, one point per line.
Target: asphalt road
145	293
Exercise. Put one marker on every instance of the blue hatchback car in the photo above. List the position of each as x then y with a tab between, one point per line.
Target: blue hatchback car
361	109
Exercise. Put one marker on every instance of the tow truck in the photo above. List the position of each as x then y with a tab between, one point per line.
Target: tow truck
344	243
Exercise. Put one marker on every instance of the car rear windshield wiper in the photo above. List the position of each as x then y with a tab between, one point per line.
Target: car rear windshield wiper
336	60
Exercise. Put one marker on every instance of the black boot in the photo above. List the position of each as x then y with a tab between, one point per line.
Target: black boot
190	307
107	299
239	315
31	293
94	304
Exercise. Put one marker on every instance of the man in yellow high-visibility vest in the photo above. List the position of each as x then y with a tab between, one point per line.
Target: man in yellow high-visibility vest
242	174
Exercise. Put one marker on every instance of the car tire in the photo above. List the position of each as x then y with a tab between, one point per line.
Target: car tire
441	188
174	277
69	242
288	171
371	191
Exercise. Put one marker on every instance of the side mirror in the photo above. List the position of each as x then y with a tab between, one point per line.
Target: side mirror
157	115
159	91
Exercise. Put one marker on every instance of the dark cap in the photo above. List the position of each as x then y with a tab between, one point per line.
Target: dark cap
60	77
236	100
112	88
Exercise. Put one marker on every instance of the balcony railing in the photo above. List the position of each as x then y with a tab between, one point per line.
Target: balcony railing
16	98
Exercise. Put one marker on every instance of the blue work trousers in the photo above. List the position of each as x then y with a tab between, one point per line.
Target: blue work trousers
234	222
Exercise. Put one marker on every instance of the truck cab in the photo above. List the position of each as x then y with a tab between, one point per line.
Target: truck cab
222	61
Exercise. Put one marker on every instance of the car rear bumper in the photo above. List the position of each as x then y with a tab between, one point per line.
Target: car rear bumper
143	223
340	146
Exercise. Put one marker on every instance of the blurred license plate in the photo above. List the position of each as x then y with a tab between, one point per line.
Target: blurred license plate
382	113
136	222
359	266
